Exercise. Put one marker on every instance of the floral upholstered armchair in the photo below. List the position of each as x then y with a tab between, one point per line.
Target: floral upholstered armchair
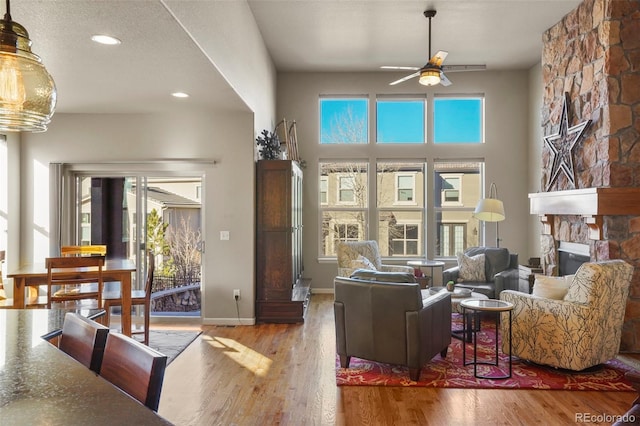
354	255
578	331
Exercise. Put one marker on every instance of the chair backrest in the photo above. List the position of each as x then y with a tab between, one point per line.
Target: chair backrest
135	368
67	264
497	259
99	250
350	250
601	284
151	266
84	340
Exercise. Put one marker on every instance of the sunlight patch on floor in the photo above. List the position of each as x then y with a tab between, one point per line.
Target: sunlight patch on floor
253	361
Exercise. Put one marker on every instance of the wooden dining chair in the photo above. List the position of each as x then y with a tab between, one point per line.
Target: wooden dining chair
138	298
84	340
135	368
63	272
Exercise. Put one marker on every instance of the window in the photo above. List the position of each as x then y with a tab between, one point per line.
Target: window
451	189
458	120
344	121
400	121
392	207
405	188
344	214
457	190
324	187
347	189
404	240
400	204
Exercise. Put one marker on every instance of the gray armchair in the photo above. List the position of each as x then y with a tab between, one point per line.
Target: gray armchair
382	317
501	272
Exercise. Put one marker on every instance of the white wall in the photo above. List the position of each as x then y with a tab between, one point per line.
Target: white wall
203	135
505	151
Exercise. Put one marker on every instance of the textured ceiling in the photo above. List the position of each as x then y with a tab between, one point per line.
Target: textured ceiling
159	54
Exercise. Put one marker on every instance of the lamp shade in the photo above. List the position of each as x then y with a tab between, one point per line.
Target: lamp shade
27	91
489	210
429	77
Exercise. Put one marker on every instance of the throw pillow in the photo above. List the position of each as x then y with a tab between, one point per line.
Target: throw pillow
471	268
362	263
551	287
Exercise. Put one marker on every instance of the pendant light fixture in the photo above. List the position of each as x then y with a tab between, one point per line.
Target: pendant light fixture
27	91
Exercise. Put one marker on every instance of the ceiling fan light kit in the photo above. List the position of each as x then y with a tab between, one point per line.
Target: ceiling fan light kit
429	77
27	90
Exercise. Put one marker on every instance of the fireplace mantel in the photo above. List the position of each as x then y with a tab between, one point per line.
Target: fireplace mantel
590	203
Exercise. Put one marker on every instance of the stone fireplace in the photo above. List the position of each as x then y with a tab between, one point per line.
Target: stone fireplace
591	61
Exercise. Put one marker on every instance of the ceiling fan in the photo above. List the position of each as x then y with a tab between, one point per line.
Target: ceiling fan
432	72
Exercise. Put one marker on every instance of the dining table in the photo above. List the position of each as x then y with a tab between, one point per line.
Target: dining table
42	385
34	275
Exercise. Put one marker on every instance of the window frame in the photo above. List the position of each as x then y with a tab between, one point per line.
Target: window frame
381	208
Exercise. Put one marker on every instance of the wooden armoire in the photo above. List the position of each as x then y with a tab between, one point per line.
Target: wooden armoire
282	294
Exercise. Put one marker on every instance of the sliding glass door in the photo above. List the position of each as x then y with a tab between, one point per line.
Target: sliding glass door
136	214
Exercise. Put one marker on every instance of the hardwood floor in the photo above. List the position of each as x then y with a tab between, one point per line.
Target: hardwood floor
285	374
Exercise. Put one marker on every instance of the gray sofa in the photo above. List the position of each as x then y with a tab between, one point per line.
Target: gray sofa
382	317
501	272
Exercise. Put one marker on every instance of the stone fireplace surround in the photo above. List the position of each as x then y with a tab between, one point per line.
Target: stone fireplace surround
593	56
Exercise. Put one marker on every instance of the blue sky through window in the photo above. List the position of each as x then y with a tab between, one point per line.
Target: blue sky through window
457	120
400	121
343	121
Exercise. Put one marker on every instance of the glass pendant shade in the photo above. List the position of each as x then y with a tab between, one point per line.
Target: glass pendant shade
430	77
27	91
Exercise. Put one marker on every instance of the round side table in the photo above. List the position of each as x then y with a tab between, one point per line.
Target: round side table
476	307
426	263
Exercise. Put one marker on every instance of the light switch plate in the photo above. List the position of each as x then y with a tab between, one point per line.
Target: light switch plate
224	235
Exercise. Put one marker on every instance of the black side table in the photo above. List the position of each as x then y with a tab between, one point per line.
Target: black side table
476	307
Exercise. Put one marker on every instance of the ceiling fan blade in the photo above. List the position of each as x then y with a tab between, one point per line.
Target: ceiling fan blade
391	67
438	58
409	77
456	68
444	80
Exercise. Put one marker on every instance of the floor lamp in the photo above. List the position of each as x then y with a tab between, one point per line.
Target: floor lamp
491	210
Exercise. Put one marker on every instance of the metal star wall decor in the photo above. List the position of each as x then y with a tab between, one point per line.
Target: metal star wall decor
561	145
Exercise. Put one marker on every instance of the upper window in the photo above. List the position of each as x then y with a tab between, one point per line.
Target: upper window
324	187
451	193
346	190
400	121
405	188
457	120
344	121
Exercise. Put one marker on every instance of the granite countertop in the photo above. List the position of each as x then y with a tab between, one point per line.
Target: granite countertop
39	384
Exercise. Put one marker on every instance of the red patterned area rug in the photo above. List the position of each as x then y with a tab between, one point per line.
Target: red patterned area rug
450	373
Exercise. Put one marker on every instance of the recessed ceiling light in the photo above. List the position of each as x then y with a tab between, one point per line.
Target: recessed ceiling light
105	39
180	95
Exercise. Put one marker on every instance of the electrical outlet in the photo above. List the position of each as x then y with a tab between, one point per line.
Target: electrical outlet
236	294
